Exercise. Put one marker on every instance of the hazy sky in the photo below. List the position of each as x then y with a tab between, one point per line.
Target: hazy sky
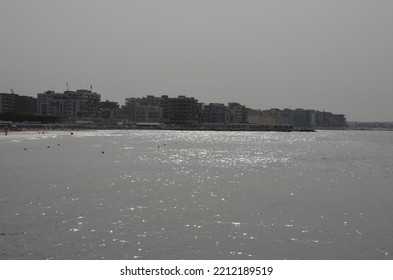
335	55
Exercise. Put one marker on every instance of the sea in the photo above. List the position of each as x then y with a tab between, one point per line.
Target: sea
196	195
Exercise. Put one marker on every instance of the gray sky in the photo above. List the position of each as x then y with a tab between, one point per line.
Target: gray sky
335	55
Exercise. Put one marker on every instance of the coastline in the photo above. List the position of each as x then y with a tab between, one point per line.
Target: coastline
71	128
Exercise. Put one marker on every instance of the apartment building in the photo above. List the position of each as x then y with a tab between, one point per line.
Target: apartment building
238	113
215	113
299	118
11	102
183	110
146	109
77	104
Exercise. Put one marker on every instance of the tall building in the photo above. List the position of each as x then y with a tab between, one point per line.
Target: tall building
215	113
238	113
86	103
146	109
299	118
77	104
182	110
7	102
289	115
267	117
275	116
50	103
109	110
11	102
339	120
303	118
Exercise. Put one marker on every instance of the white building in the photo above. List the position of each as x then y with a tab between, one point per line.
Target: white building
77	104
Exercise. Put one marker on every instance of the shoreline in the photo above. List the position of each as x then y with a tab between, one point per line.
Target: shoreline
69	129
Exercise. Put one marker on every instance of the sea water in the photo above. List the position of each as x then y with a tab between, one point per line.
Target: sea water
151	194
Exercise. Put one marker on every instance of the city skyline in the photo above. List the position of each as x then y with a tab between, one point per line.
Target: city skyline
86	105
325	55
122	104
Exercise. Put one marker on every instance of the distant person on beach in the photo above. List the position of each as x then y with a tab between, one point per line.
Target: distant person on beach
6	130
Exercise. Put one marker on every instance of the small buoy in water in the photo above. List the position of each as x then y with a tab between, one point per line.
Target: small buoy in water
102	152
48	146
25	149
158	147
58	144
72	133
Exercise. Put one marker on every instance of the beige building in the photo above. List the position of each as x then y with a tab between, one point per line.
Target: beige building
144	110
267	117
